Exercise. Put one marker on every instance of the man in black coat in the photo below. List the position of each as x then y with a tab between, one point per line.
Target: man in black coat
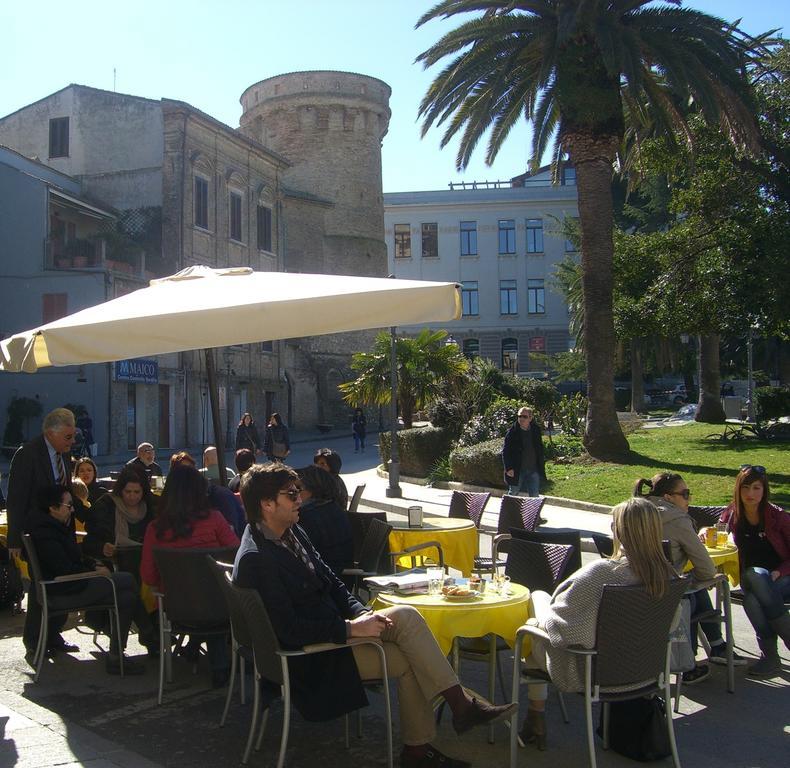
308	604
36	466
145	461
522	455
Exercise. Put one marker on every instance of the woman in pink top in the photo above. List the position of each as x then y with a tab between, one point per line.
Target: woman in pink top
185	520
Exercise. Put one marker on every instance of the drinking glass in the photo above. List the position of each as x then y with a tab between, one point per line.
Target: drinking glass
435	580
721	535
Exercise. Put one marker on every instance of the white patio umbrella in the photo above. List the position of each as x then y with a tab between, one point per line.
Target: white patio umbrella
201	308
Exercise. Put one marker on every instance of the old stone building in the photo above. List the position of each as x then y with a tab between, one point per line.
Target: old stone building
297	188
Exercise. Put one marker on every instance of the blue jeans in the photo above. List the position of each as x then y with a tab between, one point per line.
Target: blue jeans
528	482
763	599
359	442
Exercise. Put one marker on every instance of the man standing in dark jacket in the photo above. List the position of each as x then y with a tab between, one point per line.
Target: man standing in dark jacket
522	455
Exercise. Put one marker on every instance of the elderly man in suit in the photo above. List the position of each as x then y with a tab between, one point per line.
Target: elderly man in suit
38	464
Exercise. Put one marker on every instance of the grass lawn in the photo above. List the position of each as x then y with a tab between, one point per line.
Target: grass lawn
708	467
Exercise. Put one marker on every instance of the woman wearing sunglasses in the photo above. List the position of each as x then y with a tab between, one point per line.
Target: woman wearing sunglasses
669	492
762	532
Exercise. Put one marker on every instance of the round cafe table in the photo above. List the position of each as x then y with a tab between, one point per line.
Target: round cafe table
726	561
498	614
458	539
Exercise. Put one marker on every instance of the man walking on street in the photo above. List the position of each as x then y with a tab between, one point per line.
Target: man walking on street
522	455
39	464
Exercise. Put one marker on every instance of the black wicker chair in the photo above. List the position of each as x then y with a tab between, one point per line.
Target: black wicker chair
567	536
467	505
375	546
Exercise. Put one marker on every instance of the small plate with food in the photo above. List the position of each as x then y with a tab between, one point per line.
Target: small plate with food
460	594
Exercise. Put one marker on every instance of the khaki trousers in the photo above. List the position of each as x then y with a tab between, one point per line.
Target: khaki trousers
418	664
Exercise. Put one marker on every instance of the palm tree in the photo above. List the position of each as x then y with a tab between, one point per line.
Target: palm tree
426	364
584	71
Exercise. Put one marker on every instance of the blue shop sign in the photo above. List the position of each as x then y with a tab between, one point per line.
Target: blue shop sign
141	370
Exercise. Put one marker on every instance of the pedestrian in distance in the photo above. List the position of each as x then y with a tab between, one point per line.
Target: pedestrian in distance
522	455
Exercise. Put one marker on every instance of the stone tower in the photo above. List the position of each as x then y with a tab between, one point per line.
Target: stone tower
329	126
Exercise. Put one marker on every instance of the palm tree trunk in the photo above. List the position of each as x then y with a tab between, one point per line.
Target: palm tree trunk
709	409
637	380
603	437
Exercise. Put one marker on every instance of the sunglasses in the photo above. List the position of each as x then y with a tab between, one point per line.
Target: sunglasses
758	468
525	416
684	493
292	493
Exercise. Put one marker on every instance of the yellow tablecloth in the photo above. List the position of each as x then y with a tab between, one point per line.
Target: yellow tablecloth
457	537
726	561
500	614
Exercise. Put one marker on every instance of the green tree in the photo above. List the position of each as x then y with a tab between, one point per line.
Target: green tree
584	71
425	364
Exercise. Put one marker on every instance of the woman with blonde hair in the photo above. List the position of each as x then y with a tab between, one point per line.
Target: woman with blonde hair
570	615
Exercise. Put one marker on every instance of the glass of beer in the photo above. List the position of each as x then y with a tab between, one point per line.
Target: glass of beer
721	535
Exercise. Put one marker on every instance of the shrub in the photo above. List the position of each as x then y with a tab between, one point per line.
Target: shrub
570	414
563	446
449	414
494	423
479	464
419	448
542	396
772	402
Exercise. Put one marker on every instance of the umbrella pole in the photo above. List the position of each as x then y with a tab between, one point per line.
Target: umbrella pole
213	393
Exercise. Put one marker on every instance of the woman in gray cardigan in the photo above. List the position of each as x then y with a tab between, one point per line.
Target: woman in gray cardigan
570	615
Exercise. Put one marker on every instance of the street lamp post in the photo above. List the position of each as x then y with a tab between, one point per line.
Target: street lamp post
394	490
228	358
749	380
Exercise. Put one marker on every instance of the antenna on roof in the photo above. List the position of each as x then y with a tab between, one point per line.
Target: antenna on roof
113	79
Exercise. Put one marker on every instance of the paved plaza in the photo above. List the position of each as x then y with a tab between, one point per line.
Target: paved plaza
78	715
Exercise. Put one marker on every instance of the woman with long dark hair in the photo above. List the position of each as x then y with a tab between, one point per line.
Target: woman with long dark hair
247	435
185	519
85	469
276	443
762	532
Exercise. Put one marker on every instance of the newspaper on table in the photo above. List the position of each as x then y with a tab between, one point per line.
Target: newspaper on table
407	582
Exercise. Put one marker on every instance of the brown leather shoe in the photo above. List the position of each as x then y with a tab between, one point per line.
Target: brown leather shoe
433	758
481	713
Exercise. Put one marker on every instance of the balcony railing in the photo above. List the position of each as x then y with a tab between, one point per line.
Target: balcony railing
89	253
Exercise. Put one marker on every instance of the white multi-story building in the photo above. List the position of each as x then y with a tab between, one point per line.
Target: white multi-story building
501	243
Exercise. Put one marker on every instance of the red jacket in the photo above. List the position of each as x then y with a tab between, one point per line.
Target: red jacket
777	531
212	531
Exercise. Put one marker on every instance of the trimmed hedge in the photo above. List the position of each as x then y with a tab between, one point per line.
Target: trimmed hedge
772	402
418	448
479	464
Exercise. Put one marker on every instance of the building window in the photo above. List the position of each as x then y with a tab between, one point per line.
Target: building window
569	176
235	216
53	306
471	348
468	238
470	298
430	241
508	303
59	137
570	246
402	241
507	236
267	346
510	355
201	202
536	297
534	235
264	222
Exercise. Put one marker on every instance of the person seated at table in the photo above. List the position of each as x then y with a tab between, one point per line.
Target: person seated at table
114	530
325	523
308	604
220	497
762	532
59	554
80	491
244	458
85	469
331	462
185	519
570	615
145	461
669	492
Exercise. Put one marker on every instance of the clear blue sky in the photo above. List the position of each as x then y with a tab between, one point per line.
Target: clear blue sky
207	53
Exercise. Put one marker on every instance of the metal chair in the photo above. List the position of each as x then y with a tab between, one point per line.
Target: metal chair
373	548
423	560
360	522
190	601
253	629
705	516
630	658
61	605
356	498
467	505
538	566
568	536
514	512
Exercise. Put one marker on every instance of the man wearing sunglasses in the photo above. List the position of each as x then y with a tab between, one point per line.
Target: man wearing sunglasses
522	455
308	604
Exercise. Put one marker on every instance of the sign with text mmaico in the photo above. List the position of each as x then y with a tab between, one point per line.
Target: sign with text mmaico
141	370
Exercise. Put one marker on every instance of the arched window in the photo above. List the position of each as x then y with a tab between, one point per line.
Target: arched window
471	348
510	355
